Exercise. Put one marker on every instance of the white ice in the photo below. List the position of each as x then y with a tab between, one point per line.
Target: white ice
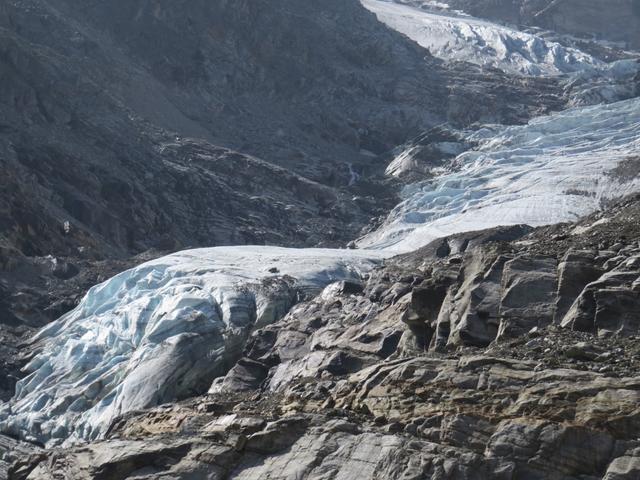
161	331
450	36
552	170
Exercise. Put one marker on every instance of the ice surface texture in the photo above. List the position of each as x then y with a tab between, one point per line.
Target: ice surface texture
450	36
159	332
555	169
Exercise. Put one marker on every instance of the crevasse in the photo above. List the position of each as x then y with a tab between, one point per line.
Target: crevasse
554	169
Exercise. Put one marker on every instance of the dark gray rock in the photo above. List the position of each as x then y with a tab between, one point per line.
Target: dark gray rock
476	313
278	436
617	312
626	467
529	294
421	316
576	270
607	306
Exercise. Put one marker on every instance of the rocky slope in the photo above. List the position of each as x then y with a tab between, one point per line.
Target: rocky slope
128	127
126	120
101	360
508	353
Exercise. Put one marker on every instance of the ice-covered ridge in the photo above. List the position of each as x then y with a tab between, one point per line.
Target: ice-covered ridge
454	37
614	82
555	169
161	331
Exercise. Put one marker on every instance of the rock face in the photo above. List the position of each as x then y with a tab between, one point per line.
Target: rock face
408	418
529	287
471	313
576	270
610	305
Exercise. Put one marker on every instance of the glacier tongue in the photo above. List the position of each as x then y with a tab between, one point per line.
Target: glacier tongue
161	331
450	36
555	169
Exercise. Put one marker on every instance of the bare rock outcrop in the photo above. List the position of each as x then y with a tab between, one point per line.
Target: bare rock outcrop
529	287
368	381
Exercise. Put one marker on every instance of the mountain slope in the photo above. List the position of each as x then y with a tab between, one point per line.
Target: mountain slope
93	95
129	126
555	169
399	374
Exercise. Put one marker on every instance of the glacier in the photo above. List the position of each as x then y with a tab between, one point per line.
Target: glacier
555	169
611	83
160	332
166	329
450	35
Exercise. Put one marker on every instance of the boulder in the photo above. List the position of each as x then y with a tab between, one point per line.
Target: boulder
626	467
607	306
551	451
617	312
